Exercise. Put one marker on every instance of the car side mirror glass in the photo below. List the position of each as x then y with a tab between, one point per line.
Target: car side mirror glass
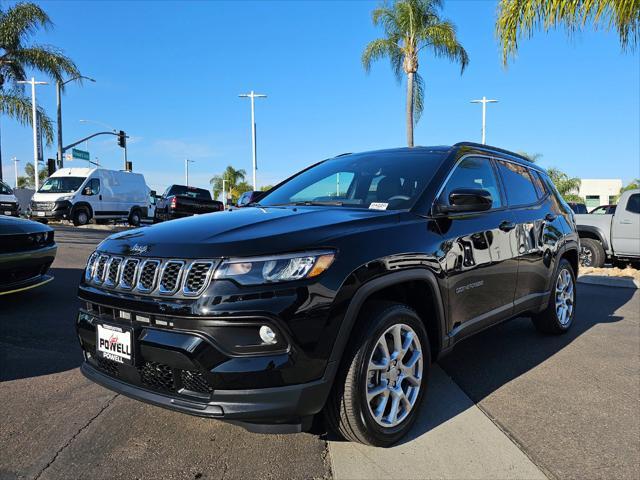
87	191
463	200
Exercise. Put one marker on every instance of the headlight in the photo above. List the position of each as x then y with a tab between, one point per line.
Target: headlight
65	198
276	268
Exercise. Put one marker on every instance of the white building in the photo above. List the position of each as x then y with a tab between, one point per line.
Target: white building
599	191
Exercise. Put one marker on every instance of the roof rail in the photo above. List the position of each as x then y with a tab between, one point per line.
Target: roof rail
495	149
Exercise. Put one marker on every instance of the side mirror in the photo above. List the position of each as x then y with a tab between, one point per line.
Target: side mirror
87	191
463	200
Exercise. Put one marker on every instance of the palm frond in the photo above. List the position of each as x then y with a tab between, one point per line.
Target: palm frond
380	48
442	40
16	105
521	18
20	21
46	59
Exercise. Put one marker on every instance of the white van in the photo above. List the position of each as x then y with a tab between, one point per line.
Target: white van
80	194
8	201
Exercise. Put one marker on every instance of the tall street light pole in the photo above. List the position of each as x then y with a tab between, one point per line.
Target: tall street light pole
59	86
484	102
186	170
34	111
252	95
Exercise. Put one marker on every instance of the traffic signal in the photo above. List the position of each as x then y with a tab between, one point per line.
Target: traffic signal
122	139
129	166
51	166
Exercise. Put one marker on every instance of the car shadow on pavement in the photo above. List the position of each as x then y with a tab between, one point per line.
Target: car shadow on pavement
37	328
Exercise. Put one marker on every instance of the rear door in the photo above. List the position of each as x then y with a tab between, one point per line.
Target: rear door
625	230
480	251
538	230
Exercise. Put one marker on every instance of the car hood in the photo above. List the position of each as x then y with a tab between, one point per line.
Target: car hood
18	226
49	197
247	231
8	198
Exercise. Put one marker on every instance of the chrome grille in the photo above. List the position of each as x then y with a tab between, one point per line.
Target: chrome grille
170	278
128	273
148	275
197	277
100	268
113	271
47	206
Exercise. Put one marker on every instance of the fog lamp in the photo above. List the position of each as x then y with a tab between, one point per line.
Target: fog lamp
267	335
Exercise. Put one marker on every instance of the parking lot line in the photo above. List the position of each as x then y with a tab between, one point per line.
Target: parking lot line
452	438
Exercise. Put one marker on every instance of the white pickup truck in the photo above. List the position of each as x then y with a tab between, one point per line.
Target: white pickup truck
615	237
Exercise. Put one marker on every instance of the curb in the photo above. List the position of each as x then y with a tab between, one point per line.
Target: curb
619	282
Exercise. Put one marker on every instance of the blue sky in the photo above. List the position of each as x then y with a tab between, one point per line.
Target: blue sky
169	74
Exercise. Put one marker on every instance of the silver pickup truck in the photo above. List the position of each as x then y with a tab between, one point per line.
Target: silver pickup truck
613	237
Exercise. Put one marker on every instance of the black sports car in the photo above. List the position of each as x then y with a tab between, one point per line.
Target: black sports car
27	250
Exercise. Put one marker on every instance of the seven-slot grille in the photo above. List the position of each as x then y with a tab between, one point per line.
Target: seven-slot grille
187	278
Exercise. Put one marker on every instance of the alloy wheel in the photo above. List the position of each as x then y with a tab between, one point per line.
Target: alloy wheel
586	257
564	297
394	375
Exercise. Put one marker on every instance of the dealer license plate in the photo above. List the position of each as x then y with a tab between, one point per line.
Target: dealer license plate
40	214
114	343
7	212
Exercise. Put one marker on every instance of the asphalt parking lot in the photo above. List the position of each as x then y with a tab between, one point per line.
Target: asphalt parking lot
509	403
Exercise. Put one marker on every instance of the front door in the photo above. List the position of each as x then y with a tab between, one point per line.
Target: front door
625	230
480	252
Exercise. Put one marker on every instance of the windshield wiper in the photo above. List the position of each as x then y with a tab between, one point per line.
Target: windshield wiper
312	203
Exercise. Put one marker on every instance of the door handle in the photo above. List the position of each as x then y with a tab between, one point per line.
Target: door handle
100	197
507	226
550	217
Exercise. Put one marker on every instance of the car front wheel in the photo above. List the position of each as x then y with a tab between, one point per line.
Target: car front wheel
380	386
561	309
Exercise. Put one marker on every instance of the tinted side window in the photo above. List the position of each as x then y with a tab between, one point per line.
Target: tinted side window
633	205
474	172
540	187
518	183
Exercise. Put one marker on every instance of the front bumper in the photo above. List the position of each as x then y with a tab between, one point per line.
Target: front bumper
25	270
287	409
10	209
60	211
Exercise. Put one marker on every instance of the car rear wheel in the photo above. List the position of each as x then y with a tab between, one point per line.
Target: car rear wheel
591	253
560	312
381	383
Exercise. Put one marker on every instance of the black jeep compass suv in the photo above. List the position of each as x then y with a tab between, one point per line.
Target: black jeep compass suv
334	293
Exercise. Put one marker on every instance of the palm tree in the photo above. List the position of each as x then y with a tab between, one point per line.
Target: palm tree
233	179
409	27
28	181
17	24
567	186
520	18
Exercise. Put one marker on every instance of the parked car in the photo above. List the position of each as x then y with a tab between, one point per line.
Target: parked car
604	210
334	294
614	237
247	198
180	201
8	202
27	250
83	194
578	208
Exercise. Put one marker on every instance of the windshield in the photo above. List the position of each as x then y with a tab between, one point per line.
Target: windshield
183	191
382	181
5	189
61	184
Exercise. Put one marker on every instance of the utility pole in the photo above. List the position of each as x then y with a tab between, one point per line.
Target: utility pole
484	102
224	194
59	86
15	168
252	95
186	170
34	111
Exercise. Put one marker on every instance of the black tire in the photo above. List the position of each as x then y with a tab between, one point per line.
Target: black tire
135	218
81	216
347	412
591	254
548	320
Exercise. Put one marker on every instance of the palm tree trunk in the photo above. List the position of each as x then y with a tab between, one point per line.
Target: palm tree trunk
410	109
